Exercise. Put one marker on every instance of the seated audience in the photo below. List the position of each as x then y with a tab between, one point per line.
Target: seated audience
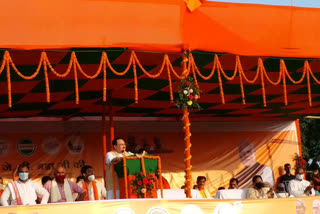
93	188
1	185
299	187
23	191
259	189
201	181
233	183
61	189
287	177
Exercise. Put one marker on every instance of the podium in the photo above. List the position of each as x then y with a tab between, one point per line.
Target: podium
133	168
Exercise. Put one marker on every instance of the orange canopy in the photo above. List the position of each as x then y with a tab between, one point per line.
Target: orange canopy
161	25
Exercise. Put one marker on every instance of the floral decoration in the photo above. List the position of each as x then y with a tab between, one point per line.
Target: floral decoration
300	162
142	185
188	95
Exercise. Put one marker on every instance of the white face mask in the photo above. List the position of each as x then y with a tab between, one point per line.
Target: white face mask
300	176
91	178
1	186
316	172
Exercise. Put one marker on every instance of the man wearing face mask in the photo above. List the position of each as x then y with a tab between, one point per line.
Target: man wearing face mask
286	178
94	189
61	189
23	191
259	189
115	156
300	187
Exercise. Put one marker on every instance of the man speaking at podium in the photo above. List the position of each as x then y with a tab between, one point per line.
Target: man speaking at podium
115	156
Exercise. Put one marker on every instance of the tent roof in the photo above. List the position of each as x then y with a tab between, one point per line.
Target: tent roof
161	25
29	96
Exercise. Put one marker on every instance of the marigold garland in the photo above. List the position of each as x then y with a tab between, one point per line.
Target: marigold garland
44	62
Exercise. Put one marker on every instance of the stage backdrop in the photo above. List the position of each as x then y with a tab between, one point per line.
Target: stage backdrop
220	150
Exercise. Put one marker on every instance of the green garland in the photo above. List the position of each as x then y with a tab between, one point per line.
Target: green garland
188	95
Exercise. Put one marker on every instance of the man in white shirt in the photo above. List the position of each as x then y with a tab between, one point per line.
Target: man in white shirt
299	187
115	156
23	191
94	189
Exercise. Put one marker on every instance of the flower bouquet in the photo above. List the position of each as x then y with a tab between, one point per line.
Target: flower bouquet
188	95
142	185
300	162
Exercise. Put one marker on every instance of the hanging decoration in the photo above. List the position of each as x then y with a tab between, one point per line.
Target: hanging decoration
75	68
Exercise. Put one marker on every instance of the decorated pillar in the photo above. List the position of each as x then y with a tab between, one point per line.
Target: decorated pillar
187	100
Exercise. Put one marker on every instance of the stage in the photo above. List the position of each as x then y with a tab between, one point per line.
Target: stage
187	206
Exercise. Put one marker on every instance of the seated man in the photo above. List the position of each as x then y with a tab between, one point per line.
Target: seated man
23	191
299	187
115	156
61	189
201	181
259	190
94	189
287	177
233	183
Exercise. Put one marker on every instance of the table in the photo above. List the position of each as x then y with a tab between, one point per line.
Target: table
178	194
232	194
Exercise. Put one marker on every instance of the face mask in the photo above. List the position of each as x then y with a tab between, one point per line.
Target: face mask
288	170
23	176
300	176
259	185
60	178
316	172
91	178
1	186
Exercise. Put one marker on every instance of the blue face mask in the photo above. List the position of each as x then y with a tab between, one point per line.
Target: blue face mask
23	176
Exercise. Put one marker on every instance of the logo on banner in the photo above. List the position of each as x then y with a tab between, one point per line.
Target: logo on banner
26	147
4	147
124	211
51	146
157	210
75	145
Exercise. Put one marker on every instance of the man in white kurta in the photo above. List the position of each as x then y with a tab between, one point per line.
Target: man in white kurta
23	191
115	156
299	187
93	188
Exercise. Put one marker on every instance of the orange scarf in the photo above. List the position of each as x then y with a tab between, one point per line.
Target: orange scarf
95	191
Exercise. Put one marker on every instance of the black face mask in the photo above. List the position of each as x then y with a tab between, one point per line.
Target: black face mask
259	185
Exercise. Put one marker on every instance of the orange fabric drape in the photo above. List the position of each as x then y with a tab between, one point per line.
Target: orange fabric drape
95	191
165	183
